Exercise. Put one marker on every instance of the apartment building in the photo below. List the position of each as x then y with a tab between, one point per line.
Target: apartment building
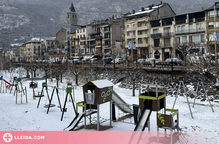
33	49
138	29
81	35
185	30
190	31
212	25
162	38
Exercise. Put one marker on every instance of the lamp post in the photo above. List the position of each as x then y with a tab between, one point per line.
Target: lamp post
215	32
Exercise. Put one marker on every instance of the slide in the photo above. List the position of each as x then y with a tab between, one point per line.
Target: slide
77	119
7	82
120	103
142	123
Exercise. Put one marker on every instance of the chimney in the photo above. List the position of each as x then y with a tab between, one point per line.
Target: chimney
150	7
142	9
133	11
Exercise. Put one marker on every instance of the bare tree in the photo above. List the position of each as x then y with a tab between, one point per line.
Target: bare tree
133	73
184	48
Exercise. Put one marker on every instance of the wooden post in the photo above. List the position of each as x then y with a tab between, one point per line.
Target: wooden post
64	106
26	94
50	100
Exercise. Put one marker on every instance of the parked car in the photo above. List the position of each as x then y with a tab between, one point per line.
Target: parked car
151	59
175	61
140	61
108	60
77	61
94	60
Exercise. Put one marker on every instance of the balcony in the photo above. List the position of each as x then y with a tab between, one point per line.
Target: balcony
181	32
142	45
98	37
83	38
181	22
143	28
156	35
142	35
200	19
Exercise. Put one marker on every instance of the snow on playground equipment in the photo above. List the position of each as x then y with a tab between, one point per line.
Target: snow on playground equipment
2	86
155	101
45	86
96	92
16	82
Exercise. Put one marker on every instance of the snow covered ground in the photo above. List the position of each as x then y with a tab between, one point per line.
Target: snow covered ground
27	117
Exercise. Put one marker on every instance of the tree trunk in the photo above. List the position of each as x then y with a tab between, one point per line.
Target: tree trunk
57	81
45	76
34	73
61	77
133	89
76	79
113	65
27	72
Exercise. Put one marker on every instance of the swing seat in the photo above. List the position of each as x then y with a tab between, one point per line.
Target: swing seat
51	105
40	96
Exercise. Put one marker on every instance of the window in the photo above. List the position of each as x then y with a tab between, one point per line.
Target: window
127	33
83	30
77	31
127	26
178	39
48	42
146	32
211	13
211	24
146	40
196	39
133	25
179	29
190	39
202	38
167	31
139	24
80	31
146	24
183	29
190	28
197	27
156	42
140	41
139	32
133	33
184	40
155	31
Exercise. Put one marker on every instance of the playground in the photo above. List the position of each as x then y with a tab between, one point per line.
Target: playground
50	110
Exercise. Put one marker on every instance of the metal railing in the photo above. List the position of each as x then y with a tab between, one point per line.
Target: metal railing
190	31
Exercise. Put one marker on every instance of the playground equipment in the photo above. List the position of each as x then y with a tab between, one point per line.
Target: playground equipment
2	86
96	92
33	84
44	86
155	101
68	92
181	83
21	90
205	92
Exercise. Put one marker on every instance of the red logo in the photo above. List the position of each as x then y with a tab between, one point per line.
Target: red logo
7	137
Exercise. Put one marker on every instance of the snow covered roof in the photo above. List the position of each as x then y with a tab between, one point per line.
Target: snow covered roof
16	44
147	10
101	83
50	38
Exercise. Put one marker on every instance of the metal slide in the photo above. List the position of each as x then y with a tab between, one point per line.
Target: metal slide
77	119
120	103
143	120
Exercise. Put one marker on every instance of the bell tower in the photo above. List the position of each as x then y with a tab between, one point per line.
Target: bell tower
72	16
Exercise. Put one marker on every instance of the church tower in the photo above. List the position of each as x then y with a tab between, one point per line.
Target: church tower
72	16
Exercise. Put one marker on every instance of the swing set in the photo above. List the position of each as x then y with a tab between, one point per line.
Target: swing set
50	98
